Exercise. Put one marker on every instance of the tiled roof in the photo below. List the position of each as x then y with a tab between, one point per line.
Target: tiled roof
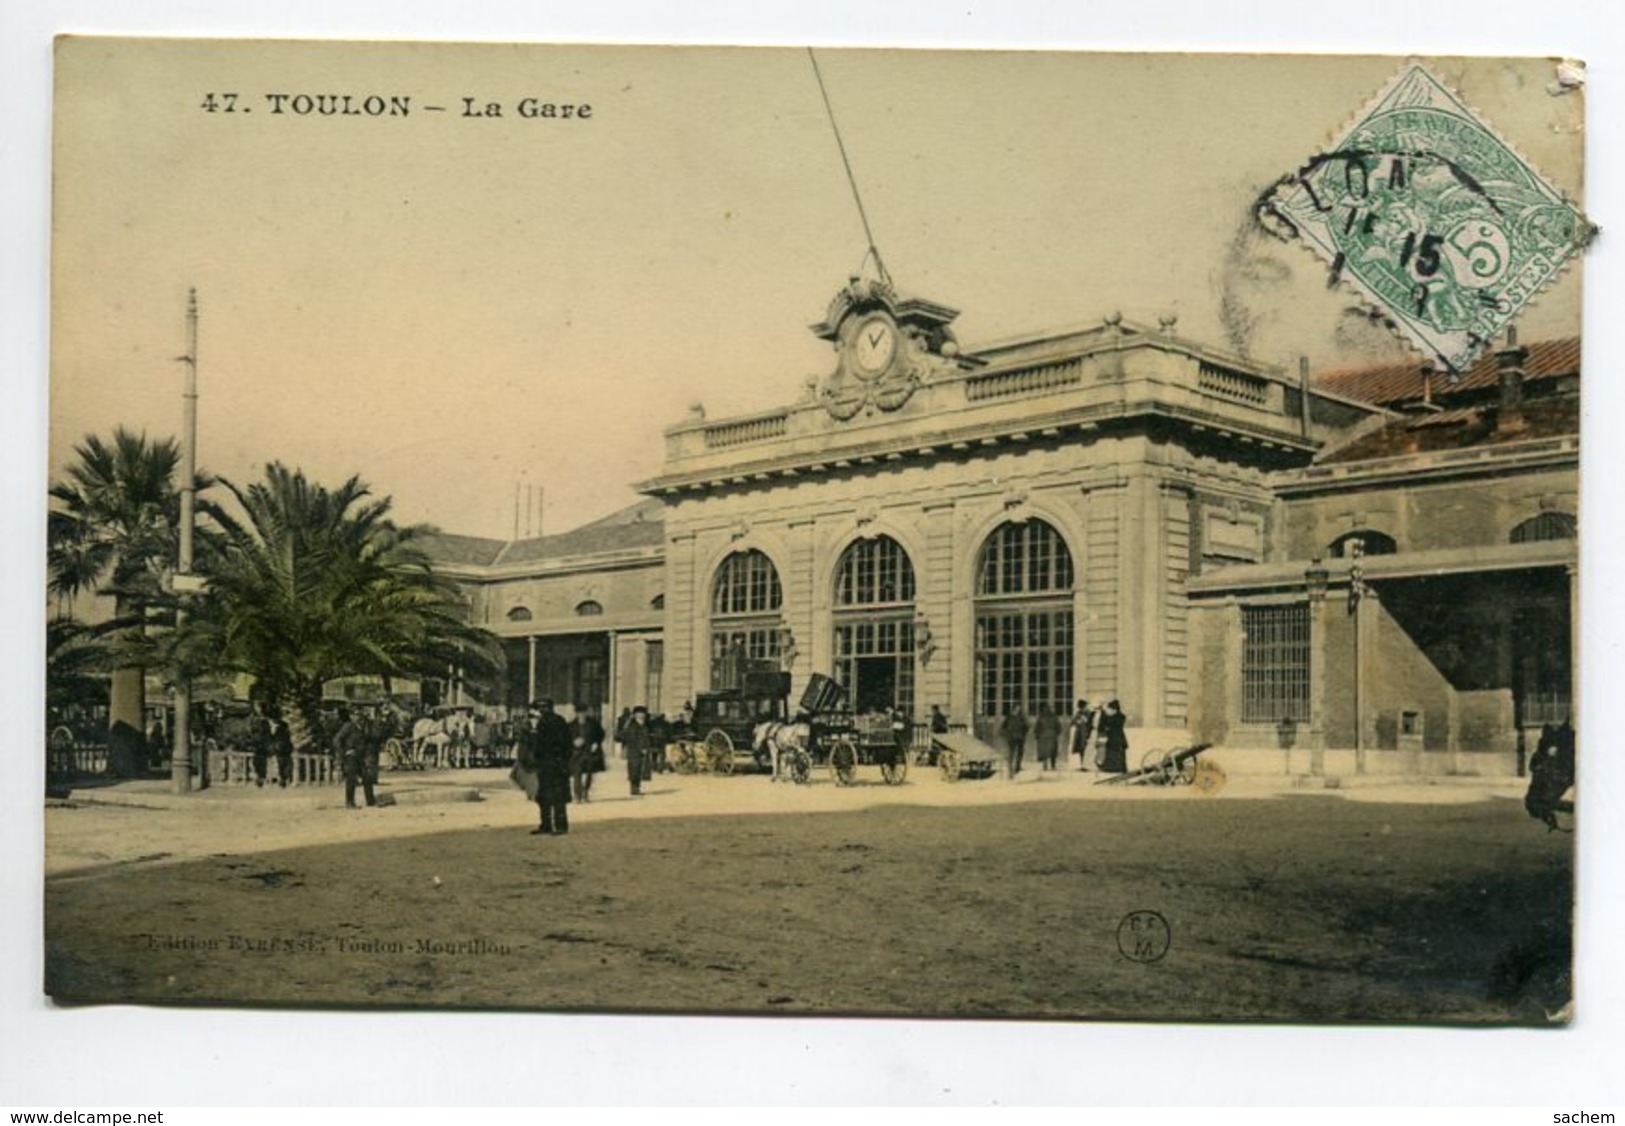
1386	384
443	547
1554	417
637	525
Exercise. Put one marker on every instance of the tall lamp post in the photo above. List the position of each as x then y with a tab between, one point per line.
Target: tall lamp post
184	582
1315	580
1359	591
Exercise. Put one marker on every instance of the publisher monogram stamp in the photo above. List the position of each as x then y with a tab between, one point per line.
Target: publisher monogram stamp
1432	217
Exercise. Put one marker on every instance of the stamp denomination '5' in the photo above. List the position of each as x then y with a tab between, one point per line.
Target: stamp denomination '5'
1434	219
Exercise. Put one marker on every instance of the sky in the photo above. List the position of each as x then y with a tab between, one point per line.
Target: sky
457	307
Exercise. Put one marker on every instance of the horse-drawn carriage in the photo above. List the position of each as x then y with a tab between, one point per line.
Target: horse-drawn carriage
723	731
446	737
826	735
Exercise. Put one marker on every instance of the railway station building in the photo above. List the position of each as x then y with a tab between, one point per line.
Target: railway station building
1108	512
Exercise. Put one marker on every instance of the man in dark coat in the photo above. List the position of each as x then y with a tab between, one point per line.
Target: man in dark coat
586	752
547	746
635	742
1047	737
356	757
1014	730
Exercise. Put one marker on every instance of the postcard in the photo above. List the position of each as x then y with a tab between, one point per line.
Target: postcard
661	530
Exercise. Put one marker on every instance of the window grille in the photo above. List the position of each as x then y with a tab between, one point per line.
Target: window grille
1546	526
747	583
1275	664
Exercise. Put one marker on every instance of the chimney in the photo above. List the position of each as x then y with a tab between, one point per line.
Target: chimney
1304	407
1424	405
1509	417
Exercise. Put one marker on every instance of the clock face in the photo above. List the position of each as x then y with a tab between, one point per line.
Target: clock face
873	346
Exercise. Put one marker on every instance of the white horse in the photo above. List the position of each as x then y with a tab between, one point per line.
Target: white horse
432	741
782	741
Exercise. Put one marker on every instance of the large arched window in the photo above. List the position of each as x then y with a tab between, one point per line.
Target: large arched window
1546	526
874	625
746	618
1024	637
1369	543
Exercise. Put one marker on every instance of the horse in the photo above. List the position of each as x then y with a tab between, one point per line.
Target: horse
783	742
431	735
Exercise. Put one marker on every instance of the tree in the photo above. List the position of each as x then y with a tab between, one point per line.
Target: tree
112	531
307	585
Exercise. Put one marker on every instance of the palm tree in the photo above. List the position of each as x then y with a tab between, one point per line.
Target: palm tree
112	531
308	585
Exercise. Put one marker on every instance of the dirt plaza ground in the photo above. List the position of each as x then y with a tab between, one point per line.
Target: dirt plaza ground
1043	897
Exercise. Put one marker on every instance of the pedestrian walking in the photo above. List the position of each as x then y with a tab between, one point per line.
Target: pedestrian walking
1111	740
1014	730
546	746
1046	737
1078	730
635	741
586	752
282	747
354	746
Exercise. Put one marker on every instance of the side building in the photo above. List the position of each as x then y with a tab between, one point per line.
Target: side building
1417	611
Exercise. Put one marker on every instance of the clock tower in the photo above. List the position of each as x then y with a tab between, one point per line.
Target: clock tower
886	347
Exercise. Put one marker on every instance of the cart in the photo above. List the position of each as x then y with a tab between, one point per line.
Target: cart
843	741
962	755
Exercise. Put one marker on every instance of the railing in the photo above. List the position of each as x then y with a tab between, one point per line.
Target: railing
920	735
725	434
78	761
1465	456
236	768
1228	384
1023	381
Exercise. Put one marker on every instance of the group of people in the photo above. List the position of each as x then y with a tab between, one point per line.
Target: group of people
556	760
1106	725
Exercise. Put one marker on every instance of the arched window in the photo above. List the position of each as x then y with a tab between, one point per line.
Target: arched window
519	614
746	623
1024	636
1370	543
589	609
1546	526
874	625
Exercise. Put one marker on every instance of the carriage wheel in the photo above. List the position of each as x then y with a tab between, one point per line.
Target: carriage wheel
1185	772
800	767
1152	762
61	738
723	762
718	746
949	762
843	762
394	755
895	770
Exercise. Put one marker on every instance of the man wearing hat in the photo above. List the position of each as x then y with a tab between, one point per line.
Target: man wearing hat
635	741
546	744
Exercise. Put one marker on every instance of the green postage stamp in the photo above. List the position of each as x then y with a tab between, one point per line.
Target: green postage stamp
1432	217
